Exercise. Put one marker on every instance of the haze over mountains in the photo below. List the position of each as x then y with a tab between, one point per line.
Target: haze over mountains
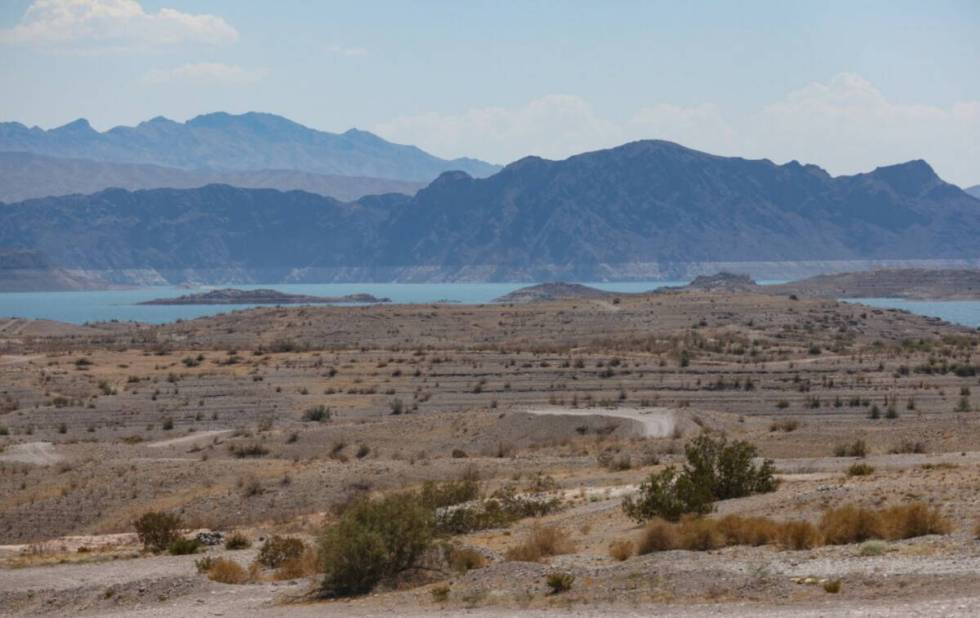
251	141
644	210
25	175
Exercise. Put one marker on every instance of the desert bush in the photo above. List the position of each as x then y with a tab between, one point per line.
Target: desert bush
700	534
373	540
278	549
295	567
237	540
860	469
668	494
501	509
203	565
911	520
156	530
832	586
225	571
542	542
849	524
317	414
715	470
621	550
182	547
560	582
658	535
754	531
798	535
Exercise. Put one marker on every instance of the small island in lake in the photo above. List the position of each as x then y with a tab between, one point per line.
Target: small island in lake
231	296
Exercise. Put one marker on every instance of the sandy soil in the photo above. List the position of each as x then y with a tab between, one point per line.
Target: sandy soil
37	453
269	420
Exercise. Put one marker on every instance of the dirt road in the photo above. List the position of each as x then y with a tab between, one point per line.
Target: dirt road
653	422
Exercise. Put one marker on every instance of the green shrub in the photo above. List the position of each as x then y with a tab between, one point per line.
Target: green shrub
278	549
715	470
156	531
374	540
182	547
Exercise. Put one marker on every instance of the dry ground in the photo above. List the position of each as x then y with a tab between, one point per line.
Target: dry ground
101	423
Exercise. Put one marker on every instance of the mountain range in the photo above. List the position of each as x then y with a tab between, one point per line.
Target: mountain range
644	210
25	175
974	191
251	141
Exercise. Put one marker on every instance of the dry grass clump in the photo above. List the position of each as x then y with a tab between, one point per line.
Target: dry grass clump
753	531
304	565
277	550
542	542
911	520
236	541
658	535
621	550
799	535
850	524
225	571
701	534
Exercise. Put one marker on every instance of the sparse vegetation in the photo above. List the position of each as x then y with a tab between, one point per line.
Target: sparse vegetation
541	542
374	539
715	470
157	531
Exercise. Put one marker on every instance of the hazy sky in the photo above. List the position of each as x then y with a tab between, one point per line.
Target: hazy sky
847	85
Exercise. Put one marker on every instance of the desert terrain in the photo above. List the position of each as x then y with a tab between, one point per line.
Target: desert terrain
270	422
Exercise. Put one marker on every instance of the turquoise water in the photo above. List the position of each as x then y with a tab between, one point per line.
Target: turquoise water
966	312
97	306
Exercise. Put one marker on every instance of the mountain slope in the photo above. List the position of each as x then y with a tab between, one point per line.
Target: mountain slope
248	141
215	233
25	176
974	191
644	210
656	202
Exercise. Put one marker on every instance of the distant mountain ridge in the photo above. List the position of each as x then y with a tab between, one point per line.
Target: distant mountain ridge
250	141
26	175
645	210
974	191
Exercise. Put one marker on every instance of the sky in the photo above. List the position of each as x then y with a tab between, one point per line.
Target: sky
847	85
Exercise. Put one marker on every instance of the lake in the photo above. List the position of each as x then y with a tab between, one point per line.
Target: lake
104	305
